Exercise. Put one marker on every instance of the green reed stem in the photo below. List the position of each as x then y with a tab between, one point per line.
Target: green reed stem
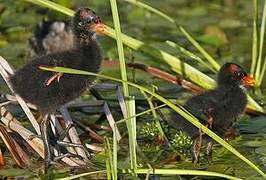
258	71
255	38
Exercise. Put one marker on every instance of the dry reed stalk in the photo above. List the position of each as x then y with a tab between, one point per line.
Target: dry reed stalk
2	159
36	143
72	132
59	129
6	70
9	142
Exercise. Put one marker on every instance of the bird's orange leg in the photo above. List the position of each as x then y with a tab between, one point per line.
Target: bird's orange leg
210	122
196	148
57	77
209	151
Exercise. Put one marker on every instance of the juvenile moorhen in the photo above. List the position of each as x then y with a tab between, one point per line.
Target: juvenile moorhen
30	82
217	109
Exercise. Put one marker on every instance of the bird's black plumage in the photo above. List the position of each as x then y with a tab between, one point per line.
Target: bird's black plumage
221	105
29	81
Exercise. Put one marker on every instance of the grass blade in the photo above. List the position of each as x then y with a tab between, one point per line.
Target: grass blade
132	135
82	175
262	72
140	114
114	155
52	5
209	58
154	114
119	45
254	38
110	159
259	63
183	172
191	55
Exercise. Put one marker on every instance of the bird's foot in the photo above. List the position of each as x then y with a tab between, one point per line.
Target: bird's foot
209	122
209	151
47	151
58	158
69	144
196	149
65	132
195	157
56	76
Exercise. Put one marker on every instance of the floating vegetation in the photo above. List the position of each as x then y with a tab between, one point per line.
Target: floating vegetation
181	143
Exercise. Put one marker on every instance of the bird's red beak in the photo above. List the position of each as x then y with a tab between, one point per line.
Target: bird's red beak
248	81
98	27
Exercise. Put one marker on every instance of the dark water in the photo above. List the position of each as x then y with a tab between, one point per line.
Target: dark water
223	27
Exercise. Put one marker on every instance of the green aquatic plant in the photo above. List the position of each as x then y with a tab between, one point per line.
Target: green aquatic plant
181	143
150	130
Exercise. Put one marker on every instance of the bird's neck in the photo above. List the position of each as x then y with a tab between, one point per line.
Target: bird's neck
84	39
89	50
235	97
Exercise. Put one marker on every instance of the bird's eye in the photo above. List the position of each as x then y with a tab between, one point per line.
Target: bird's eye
87	20
96	20
240	74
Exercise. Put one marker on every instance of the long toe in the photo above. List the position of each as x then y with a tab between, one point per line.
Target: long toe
196	149
209	151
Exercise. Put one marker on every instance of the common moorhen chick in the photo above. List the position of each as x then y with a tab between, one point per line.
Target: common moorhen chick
30	81
217	109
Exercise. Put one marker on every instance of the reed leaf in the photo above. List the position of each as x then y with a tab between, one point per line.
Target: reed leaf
183	172
191	55
52	5
132	135
154	114
82	175
254	38
114	155
119	46
262	33
140	114
209	58
110	160
258	71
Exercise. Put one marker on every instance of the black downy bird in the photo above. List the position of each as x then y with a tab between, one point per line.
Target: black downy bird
37	87
217	109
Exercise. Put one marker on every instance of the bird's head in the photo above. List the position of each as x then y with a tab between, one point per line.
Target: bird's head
232	74
86	22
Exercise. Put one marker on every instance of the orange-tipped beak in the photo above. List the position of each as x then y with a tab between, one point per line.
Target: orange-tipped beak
98	28
248	81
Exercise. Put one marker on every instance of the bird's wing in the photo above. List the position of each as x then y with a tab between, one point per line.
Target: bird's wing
203	106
